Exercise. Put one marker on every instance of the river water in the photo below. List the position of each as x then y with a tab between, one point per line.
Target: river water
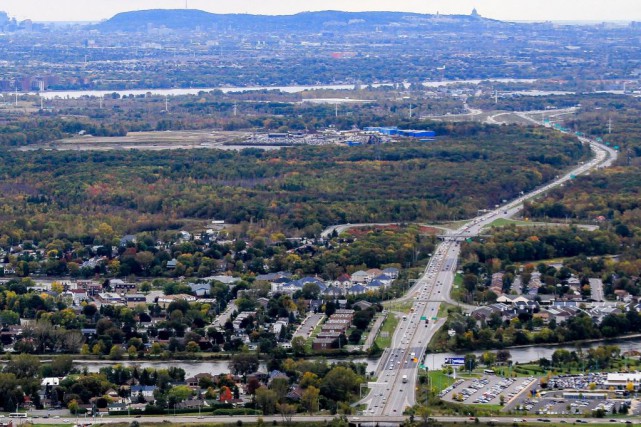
73	94
432	361
531	354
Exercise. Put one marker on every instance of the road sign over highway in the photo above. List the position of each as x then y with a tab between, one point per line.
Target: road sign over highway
455	361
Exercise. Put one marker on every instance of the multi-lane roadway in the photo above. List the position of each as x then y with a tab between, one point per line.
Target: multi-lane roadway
394	389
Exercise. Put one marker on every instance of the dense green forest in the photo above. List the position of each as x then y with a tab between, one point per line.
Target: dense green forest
300	190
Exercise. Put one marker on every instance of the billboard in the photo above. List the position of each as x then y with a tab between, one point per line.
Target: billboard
455	361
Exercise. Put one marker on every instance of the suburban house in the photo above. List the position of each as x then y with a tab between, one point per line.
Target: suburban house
200	289
361	277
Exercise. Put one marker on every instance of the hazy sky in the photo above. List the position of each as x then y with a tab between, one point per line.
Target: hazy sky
93	10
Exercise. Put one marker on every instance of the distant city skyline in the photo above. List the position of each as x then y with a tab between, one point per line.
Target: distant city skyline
536	10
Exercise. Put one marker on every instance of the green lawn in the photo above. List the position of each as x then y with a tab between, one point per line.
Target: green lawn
442	309
458	291
501	222
458	279
384	338
439	381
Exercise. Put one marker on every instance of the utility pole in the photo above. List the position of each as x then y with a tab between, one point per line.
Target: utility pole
167	103
610	125
410	110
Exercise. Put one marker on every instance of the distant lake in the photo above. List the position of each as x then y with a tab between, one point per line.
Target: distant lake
73	94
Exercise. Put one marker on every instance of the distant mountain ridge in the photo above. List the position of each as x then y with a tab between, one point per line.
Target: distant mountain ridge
184	19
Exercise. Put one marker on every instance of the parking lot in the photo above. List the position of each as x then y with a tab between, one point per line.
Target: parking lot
572	396
487	390
559	405
578	382
308	325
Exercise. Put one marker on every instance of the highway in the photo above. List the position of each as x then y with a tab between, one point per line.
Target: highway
394	389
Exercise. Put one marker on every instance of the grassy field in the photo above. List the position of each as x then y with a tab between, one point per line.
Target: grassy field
384	337
453	225
442	309
502	222
458	280
458	292
439	381
149	141
403	307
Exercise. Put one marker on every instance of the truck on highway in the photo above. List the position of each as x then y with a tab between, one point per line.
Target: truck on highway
404	378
